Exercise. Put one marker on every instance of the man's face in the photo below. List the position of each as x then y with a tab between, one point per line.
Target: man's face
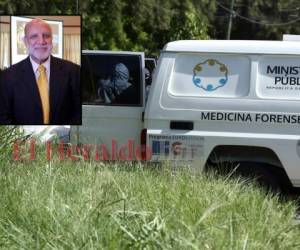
38	41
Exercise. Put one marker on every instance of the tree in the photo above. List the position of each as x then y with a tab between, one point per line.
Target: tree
102	24
189	21
158	22
258	19
38	7
127	25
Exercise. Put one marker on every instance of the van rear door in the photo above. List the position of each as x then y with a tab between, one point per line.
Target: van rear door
112	97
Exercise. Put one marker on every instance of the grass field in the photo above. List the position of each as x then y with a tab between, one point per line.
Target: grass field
90	205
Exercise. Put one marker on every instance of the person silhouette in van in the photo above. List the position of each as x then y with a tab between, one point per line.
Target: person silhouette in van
117	89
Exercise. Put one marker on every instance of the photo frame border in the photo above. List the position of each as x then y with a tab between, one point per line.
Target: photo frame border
13	37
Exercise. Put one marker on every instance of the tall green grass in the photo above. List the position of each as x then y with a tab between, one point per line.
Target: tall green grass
92	205
7	136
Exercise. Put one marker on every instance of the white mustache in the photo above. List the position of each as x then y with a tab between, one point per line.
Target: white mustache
41	47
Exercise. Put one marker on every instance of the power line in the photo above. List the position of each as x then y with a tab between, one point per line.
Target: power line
255	21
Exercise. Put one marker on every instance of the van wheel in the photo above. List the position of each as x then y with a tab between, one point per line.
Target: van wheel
263	174
260	173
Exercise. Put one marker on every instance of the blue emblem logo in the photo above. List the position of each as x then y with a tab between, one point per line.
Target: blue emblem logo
210	75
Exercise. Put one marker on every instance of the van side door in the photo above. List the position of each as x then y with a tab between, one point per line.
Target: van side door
113	98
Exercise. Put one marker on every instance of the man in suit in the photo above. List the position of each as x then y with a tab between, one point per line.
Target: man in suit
41	89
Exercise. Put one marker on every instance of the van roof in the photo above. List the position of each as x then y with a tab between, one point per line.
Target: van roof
234	46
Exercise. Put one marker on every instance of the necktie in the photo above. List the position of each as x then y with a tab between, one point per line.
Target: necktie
42	83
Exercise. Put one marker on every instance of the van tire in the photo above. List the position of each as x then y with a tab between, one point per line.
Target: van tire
263	174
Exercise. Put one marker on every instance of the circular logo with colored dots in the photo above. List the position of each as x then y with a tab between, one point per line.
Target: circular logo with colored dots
210	75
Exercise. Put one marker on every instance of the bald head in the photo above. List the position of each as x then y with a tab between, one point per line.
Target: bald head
39	22
38	40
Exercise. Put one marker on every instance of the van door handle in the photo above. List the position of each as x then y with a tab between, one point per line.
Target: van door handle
182	125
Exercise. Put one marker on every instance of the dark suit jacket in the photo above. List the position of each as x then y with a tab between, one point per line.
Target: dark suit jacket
20	102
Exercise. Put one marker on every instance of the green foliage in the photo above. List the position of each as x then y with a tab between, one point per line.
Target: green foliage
8	134
38	7
128	25
148	25
89	205
188	22
258	19
102	24
140	25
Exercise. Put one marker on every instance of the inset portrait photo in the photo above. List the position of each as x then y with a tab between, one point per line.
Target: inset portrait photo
40	60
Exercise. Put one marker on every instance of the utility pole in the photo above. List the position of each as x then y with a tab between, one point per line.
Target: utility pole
230	20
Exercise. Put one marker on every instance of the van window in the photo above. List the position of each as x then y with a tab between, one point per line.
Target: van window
279	78
201	75
150	65
111	79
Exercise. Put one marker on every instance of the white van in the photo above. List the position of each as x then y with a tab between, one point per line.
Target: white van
211	103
